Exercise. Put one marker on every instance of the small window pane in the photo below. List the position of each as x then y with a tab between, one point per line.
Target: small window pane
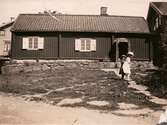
35	39
35	43
30	42
6	46
88	44
157	22
82	44
2	33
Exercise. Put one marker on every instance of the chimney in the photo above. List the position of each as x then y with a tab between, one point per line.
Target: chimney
11	18
103	11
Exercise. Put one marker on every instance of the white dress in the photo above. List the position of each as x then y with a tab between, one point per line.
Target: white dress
163	117
126	66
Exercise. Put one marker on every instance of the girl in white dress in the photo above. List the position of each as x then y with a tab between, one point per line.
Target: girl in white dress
126	65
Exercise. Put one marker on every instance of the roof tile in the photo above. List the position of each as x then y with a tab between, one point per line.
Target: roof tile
79	23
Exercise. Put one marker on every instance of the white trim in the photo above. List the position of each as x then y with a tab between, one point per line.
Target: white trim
40	43
92	44
25	43
77	44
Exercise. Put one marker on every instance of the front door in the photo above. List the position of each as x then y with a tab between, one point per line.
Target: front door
123	48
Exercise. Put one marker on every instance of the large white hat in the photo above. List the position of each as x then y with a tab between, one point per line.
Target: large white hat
131	53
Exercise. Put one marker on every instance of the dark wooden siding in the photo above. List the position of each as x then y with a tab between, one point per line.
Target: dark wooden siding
159	37
151	18
62	45
67	46
50	47
140	47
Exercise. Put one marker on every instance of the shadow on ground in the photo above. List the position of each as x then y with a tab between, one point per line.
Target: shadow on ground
151	79
94	89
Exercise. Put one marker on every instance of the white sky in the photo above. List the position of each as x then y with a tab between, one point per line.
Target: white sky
11	8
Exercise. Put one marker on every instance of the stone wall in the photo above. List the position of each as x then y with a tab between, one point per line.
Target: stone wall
163	57
29	66
163	46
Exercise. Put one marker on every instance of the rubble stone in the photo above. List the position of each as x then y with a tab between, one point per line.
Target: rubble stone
44	66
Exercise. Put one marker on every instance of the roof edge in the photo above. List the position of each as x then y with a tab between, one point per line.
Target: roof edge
12	28
84	32
7	24
156	8
81	15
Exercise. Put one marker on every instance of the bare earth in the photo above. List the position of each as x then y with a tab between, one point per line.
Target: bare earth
15	110
76	96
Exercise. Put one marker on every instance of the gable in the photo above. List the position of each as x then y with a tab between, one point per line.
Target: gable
160	7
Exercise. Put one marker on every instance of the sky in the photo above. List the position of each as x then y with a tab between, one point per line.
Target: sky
12	8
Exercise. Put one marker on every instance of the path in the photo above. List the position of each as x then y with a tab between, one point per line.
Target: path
15	110
139	89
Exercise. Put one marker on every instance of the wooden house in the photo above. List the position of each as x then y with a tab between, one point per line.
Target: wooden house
157	21
95	37
5	38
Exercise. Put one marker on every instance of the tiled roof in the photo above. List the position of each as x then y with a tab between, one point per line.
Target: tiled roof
79	23
3	26
161	7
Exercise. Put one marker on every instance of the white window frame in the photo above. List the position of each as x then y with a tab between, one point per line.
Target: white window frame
26	43
156	25
79	42
7	45
2	32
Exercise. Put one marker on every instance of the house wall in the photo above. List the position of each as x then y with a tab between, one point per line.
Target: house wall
50	50
103	46
160	40
7	36
152	15
141	48
62	46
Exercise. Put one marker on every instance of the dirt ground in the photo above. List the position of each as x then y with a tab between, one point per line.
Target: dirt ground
84	90
89	85
151	79
16	111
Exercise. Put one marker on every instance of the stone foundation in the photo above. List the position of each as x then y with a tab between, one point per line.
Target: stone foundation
29	66
163	57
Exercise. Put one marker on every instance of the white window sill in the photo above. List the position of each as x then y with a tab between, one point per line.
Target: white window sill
85	50
32	49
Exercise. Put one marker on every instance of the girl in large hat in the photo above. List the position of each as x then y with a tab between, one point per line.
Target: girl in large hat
126	66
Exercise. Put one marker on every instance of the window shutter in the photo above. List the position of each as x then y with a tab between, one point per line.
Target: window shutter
77	44
93	45
25	43
40	43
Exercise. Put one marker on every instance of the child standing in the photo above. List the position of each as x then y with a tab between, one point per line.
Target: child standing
126	65
123	59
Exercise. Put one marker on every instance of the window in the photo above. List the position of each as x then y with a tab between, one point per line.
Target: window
82	45
6	45
88	45
2	32
33	43
85	44
157	23
30	43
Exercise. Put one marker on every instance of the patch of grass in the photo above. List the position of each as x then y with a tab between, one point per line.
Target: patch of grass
89	85
12	88
153	81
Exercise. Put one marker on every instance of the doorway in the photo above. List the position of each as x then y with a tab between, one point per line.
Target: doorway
123	48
